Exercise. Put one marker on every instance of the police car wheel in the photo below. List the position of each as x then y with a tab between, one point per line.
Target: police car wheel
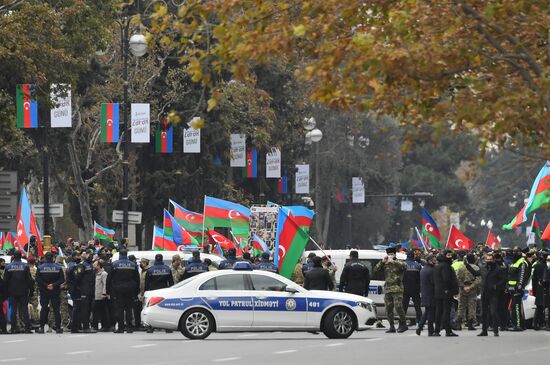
338	323
196	324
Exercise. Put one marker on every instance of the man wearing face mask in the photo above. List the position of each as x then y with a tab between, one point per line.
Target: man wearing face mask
427	295
3	296
446	286
518	276
84	275
493	281
393	270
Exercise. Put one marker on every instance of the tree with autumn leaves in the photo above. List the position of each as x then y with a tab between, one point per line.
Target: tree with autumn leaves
464	65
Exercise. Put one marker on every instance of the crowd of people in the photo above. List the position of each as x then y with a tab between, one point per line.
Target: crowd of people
449	289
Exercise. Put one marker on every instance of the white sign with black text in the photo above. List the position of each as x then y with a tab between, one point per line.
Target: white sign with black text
273	164
302	179
61	112
238	150
192	140
358	189
140	119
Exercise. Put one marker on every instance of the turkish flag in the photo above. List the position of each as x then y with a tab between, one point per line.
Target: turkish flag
216	238
492	241
458	240
546	234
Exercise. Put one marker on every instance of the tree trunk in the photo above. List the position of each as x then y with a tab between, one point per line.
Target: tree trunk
82	194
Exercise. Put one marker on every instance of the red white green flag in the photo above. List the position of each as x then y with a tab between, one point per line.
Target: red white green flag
26	106
109	122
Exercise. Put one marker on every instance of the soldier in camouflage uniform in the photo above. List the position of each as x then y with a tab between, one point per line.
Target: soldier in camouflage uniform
469	279
177	269
393	288
64	303
34	314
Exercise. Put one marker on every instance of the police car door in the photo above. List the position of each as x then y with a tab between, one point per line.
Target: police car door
274	307
230	300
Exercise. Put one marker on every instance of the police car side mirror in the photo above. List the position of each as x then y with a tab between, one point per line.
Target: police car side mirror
290	289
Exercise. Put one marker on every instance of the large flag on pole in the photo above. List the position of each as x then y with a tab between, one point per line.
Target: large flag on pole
492	241
259	245
539	196
103	233
174	230
546	234
109	122
224	242
458	240
158	239
26	105
292	236
10	241
189	220
223	213
535	228
430	230
26	224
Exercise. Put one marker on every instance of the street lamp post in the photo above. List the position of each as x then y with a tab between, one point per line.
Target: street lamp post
138	46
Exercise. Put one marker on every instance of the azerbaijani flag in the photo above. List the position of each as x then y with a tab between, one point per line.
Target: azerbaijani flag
26	106
158	239
189	220
411	244
224	242
340	195
164	138
282	185
539	196
251	169
173	229
103	233
9	241
536	228
430	230
292	236
26	225
259	245
109	122
223	213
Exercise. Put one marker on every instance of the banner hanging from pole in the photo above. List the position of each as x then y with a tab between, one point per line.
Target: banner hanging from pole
191	140
61	112
358	190
302	179
273	164
141	121
238	150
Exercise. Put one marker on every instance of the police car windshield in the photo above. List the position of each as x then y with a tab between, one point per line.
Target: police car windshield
185	282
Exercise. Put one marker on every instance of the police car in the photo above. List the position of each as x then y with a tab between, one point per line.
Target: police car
242	300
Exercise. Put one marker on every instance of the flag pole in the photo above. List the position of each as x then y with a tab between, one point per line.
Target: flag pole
421	240
449	236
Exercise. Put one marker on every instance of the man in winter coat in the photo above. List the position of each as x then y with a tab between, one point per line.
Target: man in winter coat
427	296
446	286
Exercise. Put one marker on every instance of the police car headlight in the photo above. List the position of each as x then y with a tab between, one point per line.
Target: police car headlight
365	305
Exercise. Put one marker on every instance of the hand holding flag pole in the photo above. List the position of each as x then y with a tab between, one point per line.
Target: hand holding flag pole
421	240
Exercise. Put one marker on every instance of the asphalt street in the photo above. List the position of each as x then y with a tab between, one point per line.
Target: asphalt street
374	346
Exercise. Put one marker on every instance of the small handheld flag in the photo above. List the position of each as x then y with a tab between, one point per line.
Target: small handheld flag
103	233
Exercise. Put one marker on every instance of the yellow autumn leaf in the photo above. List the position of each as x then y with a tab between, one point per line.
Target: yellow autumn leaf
299	30
211	104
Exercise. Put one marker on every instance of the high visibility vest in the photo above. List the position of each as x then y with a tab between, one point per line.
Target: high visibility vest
514	270
457	265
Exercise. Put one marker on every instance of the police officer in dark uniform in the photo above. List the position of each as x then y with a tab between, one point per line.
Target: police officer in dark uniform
49	277
123	285
309	265
355	278
265	264
411	285
74	292
84	279
159	276
230	259
318	278
19	285
195	267
518	276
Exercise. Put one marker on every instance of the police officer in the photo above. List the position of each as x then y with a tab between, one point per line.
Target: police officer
84	281
355	278
309	264
230	260
49	277
265	264
393	288
538	268
123	285
159	276
195	267
518	276
19	285
411	285
74	291
3	295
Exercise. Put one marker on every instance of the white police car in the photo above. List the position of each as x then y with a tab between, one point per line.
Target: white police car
243	299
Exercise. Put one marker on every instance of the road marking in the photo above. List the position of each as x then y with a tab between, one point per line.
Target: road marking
335	344
249	335
79	352
284	352
146	345
76	336
374	339
226	359
412	335
14	341
16	359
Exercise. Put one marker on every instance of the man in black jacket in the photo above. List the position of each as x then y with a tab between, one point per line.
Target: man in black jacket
19	285
84	282
318	278
493	281
518	277
446	286
159	276
355	278
411	285
49	277
427	296
123	285
538	269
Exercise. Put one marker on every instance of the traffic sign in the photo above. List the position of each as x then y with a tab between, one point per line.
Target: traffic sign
8	224
8	205
8	181
133	217
56	210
